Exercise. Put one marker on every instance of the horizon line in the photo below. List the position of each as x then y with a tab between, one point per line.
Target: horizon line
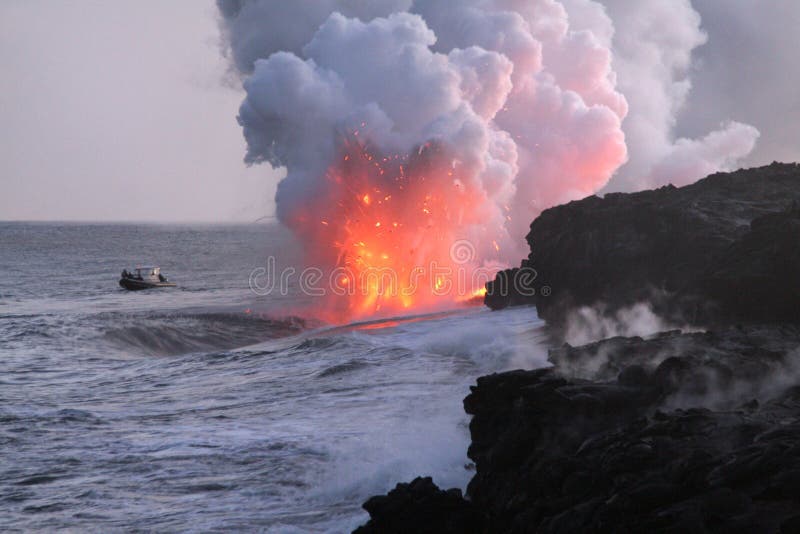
269	219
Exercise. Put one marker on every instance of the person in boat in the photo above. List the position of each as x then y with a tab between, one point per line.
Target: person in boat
125	273
162	278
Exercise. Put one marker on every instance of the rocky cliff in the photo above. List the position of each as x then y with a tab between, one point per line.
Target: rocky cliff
723	249
679	433
683	432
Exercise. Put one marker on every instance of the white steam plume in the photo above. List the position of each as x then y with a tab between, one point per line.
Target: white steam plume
526	107
653	42
537	102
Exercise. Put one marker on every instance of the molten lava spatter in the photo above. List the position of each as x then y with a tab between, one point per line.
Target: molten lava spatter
390	232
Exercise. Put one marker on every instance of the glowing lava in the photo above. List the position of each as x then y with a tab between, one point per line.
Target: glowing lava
389	233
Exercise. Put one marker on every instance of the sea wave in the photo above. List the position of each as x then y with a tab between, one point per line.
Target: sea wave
162	334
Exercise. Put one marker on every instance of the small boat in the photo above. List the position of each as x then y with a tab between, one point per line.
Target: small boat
145	277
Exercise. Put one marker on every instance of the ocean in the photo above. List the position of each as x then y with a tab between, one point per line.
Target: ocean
211	407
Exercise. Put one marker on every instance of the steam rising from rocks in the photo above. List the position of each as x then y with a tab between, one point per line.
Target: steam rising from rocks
593	323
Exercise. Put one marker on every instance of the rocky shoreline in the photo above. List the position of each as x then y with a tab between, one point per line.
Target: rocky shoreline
695	431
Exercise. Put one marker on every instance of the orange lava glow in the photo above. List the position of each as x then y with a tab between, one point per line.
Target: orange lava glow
476	297
384	229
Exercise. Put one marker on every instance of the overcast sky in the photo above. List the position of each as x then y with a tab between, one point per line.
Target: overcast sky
118	111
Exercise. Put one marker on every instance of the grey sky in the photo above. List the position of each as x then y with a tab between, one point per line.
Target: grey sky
117	111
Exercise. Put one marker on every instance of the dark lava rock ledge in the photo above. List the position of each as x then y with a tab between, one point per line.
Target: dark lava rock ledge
720	250
679	433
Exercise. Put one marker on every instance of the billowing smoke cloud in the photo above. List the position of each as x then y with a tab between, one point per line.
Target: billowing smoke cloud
527	107
255	29
653	43
502	108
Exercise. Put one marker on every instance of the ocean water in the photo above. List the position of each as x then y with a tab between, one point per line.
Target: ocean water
208	407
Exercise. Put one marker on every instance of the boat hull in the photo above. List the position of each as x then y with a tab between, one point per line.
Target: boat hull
131	284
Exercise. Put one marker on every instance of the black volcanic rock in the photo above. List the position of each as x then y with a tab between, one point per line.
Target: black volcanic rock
683	432
690	251
695	432
759	274
421	506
